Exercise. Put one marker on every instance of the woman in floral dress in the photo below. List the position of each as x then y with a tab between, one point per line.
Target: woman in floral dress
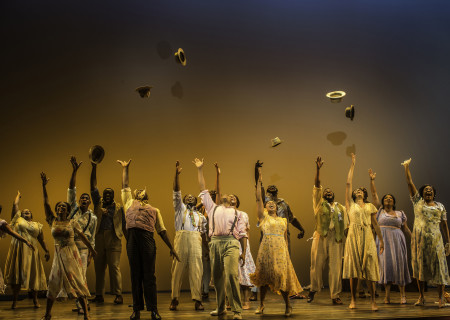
246	269
427	246
273	265
24	269
66	278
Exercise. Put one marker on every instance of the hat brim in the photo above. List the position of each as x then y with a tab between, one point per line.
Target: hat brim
336	96
180	57
96	154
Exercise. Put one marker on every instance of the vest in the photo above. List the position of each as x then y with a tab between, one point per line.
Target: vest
324	217
141	216
117	218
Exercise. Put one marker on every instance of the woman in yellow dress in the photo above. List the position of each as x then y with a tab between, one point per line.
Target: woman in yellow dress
273	265
24	269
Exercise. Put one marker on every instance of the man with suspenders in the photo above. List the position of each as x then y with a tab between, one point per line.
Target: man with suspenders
190	227
85	218
226	230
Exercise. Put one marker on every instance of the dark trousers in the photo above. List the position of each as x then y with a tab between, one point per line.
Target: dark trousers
141	251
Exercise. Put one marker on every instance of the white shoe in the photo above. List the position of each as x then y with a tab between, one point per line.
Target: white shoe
217	313
237	315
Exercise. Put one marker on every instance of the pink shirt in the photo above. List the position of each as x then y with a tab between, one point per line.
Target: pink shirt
223	218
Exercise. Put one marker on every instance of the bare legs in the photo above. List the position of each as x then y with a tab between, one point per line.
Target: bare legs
371	286
48	310
421	301
246	297
353	289
263	291
441	290
288	310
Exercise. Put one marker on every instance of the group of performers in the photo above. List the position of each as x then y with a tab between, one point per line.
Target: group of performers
211	244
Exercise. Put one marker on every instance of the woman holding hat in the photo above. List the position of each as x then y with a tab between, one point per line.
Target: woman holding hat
142	221
24	269
427	246
66	278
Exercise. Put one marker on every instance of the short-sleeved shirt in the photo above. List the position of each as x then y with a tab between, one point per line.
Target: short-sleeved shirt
221	219
192	218
127	200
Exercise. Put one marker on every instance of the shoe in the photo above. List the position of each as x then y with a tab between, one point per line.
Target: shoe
217	313
387	300
246	306
337	301
403	300
75	310
118	299
447	296
260	310
254	296
311	296
288	312
199	306
362	295
46	317
98	299
136	315
237	315
374	306
205	296
155	315
298	296
173	305
420	302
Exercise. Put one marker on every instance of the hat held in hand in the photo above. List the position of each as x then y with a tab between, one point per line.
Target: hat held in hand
180	57
350	112
276	141
96	154
336	96
144	91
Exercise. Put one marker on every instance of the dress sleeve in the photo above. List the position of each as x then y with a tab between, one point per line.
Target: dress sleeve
403	217
16	217
444	212
260	221
416	198
372	209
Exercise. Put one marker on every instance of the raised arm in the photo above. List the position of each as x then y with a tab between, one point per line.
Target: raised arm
319	164
218	194
373	190
348	188
201	179
75	167
411	187
50	216
259	199
15	205
125	178
93	176
258	165
176	181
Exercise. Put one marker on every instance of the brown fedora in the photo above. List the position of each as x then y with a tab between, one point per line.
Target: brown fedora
336	96
350	112
180	57
96	154
144	91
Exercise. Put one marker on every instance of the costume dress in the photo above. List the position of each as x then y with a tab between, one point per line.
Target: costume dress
249	266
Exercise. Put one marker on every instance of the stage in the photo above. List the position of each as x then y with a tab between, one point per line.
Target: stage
321	308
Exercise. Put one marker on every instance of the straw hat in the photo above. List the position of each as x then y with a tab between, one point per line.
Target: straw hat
144	91
96	154
350	112
180	57
336	96
276	141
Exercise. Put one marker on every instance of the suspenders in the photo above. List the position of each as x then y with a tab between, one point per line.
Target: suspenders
89	220
184	220
232	226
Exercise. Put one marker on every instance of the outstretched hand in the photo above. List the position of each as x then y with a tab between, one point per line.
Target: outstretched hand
406	162
372	174
319	162
174	255
30	245
124	164
75	165
198	163
216	165
178	168
44	178
258	164
242	258
353	158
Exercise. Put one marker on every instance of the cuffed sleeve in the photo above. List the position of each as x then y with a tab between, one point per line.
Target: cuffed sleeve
127	199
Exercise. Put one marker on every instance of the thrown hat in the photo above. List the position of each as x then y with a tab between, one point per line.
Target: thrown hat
180	57
350	112
276	141
144	91
96	154
336	96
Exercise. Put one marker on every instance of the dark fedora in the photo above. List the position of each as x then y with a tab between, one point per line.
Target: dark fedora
350	112
96	154
144	91
180	57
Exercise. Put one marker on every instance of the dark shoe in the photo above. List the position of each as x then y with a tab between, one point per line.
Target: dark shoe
173	305
311	296
298	296
75	310
376	294
199	306
136	315
337	301
362	294
254	296
155	315
98	299
118	299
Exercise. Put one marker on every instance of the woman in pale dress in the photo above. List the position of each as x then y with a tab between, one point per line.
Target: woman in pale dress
24	269
5	228
427	246
273	265
360	254
66	278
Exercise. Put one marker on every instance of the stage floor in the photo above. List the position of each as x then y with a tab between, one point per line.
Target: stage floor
321	308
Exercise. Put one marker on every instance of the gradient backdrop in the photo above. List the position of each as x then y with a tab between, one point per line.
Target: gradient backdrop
255	70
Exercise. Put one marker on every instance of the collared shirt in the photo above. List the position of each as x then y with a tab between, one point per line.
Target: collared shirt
127	200
222	219
107	222
183	214
87	218
319	202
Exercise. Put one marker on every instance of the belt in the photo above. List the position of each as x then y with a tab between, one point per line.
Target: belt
274	234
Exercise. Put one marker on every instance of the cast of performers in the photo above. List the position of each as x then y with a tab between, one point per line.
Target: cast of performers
23	268
141	221
427	244
5	228
85	218
111	228
394	259
226	230
273	265
66	278
328	239
360	255
190	227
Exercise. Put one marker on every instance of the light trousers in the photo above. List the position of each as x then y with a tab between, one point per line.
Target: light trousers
325	249
224	253
188	245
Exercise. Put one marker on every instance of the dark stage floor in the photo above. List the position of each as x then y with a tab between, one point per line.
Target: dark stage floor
321	308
